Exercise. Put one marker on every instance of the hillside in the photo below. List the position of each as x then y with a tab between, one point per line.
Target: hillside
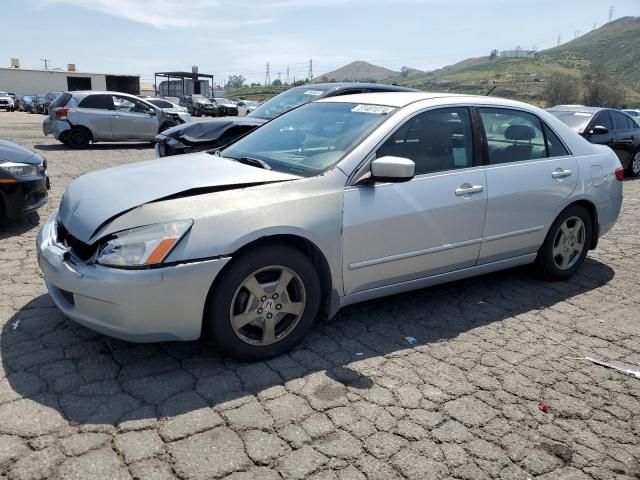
359	70
616	44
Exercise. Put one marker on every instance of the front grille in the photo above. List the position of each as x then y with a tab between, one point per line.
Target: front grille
80	249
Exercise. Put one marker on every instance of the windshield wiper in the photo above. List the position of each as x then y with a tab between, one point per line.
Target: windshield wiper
254	162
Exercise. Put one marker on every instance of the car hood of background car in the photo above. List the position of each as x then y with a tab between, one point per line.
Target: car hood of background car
91	201
209	130
10	152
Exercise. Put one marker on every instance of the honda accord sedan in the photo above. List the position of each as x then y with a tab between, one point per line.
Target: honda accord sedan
341	200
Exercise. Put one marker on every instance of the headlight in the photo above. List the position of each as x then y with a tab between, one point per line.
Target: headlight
20	169
148	245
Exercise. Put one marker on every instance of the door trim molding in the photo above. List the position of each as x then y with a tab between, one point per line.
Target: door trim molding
515	233
415	253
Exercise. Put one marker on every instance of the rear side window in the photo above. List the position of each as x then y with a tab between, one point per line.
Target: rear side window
555	147
61	100
102	102
619	121
513	135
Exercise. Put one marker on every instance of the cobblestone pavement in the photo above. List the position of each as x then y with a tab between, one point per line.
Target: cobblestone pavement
355	401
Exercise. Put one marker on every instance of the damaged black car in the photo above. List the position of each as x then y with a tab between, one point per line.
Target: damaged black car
219	132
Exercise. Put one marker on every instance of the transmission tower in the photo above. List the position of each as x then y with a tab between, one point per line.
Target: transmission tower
559	39
594	25
267	76
611	13
576	33
310	75
287	81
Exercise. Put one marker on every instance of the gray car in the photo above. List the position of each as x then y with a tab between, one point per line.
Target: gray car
79	118
339	201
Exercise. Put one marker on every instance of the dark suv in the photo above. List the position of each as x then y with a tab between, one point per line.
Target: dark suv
198	105
605	126
216	133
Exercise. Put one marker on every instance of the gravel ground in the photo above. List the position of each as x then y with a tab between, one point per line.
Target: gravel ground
355	401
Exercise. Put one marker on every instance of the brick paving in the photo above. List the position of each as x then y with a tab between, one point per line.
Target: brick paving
355	401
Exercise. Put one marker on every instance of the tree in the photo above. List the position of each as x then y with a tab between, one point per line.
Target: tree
404	72
235	81
276	83
601	89
494	53
561	89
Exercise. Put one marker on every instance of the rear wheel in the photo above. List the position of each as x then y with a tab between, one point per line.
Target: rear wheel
633	170
566	245
78	138
263	304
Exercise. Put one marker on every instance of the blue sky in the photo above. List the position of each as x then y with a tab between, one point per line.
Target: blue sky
227	37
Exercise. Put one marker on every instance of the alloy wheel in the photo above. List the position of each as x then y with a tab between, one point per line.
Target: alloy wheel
635	164
569	242
267	305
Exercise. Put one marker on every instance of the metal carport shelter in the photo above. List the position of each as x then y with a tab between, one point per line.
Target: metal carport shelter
194	76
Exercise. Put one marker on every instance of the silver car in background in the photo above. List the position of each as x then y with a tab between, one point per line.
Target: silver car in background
79	118
338	201
170	107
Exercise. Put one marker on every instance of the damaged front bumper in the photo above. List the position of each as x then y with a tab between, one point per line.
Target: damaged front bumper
148	305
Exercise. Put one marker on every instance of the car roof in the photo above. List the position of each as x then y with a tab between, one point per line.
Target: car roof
338	86
400	99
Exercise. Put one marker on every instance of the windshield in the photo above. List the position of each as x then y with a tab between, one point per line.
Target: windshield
222	100
286	101
309	139
576	120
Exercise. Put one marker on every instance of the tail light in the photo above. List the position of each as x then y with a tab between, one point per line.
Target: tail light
61	113
620	173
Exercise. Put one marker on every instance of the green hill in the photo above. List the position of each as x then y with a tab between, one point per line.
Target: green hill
615	44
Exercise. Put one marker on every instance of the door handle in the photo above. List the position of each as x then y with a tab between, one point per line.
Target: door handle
468	189
116	116
560	173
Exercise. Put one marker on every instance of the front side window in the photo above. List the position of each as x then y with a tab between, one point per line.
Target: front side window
309	139
512	135
435	140
602	119
124	104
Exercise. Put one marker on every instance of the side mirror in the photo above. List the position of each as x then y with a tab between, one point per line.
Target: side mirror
598	130
392	169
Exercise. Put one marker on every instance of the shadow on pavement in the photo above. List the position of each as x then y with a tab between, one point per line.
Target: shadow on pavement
18	226
87	378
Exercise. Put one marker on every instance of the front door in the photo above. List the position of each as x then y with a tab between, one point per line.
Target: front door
396	232
529	176
132	120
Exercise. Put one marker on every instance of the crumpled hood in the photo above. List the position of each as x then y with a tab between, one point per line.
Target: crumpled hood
209	130
93	199
12	152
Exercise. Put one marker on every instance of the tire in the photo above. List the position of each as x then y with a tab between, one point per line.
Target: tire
566	245
78	138
633	169
229	297
196	112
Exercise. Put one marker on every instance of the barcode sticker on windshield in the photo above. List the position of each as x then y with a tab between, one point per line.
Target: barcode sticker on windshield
315	93
377	109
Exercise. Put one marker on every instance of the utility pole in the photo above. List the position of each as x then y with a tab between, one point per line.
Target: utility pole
611	13
287	82
310	75
279	77
594	26
559	38
46	62
267	77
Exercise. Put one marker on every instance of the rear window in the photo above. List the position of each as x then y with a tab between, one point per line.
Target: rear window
61	100
575	120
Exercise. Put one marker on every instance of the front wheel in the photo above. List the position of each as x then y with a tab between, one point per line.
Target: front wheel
633	170
264	304
566	245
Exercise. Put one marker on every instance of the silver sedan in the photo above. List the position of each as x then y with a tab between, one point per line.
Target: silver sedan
336	202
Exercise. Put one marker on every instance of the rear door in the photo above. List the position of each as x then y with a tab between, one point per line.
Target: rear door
530	173
132	119
93	112
623	140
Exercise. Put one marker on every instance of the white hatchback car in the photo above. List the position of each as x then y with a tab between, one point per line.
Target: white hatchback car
338	201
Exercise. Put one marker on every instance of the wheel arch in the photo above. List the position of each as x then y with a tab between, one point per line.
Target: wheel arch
590	207
329	300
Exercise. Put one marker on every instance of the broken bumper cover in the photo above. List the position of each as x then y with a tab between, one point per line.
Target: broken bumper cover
55	127
151	305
